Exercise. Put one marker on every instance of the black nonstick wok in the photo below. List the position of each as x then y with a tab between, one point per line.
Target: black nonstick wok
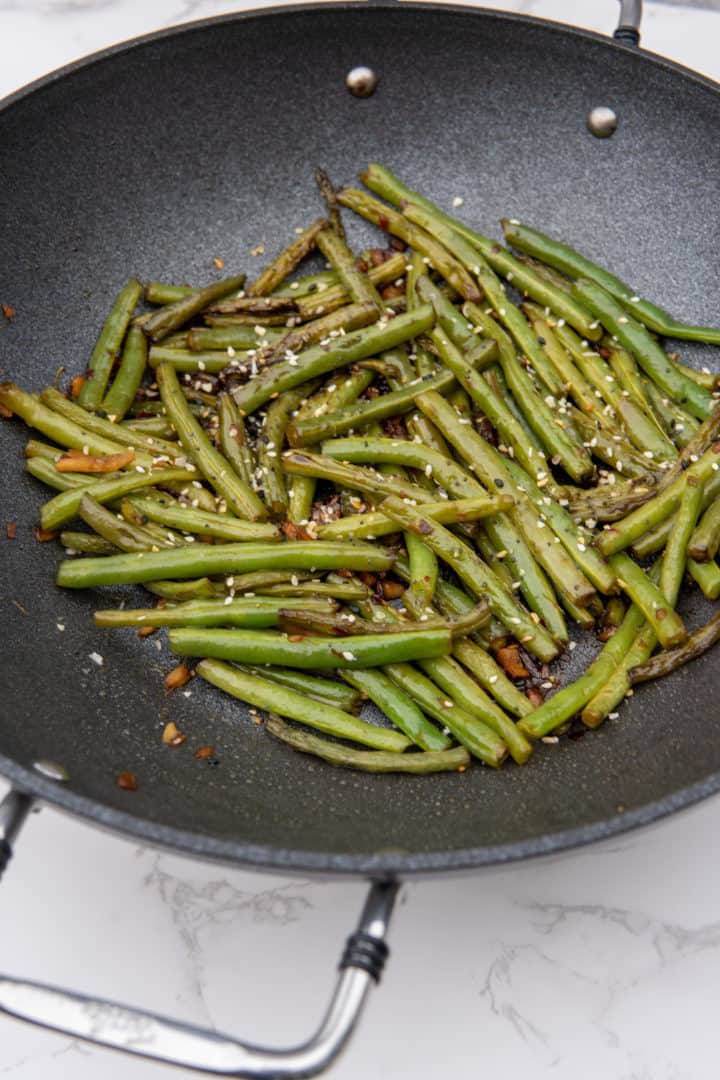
152	159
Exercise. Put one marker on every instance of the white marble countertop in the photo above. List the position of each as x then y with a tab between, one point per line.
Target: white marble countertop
603	964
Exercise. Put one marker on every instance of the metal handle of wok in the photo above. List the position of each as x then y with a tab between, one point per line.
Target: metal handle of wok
161	1039
628	27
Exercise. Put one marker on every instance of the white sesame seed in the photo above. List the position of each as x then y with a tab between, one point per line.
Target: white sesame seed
96	658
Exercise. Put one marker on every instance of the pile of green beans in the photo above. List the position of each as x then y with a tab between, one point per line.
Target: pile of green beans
402	484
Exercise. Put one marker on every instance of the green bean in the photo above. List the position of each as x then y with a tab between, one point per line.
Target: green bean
648	597
399	707
118	436
707	576
643	432
478	577
634	337
628	375
320	359
260	612
269	647
162	536
568	701
265	694
66	432
86	544
304	463
370	525
288	260
362	413
573	264
466	693
181	590
240	498
160	292
191	562
234	441
327	300
108	344
153	427
424	569
168	512
36	449
342	623
698	642
64	507
558	443
419	239
676	550
626	531
374	761
121	534
469	730
572	538
129	375
491	677
704	377
307	284
486	463
269	449
701	441
340	590
329	691
523	277
617	684
423	431
705	540
216	338
243	318
171	316
342	261
183	360
573	382
674	420
507	313
44	470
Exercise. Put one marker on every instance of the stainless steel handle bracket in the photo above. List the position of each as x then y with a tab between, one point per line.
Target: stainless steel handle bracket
628	28
156	1037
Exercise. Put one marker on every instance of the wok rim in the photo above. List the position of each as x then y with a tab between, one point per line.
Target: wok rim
266	857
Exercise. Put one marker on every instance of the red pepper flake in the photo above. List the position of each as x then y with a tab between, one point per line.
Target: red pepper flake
43	535
5	412
362	266
220	263
383	223
11	530
8	311
509	658
296	637
203	753
392	590
607	632
661	614
396	243
296	532
127	781
76	386
171	736
177	677
534	696
146	631
76	461
368	578
391	291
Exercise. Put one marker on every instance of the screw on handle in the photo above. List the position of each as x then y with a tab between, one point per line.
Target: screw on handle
628	29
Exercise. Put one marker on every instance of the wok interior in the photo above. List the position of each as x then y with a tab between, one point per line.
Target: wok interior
202	144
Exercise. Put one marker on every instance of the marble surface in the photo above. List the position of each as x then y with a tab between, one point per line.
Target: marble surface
603	964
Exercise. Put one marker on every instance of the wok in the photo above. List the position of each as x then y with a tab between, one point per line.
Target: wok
151	159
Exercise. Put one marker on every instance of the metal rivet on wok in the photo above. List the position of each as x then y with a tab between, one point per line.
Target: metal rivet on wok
602	121
361	81
51	770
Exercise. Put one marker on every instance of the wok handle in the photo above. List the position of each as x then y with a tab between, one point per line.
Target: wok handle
161	1039
628	27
